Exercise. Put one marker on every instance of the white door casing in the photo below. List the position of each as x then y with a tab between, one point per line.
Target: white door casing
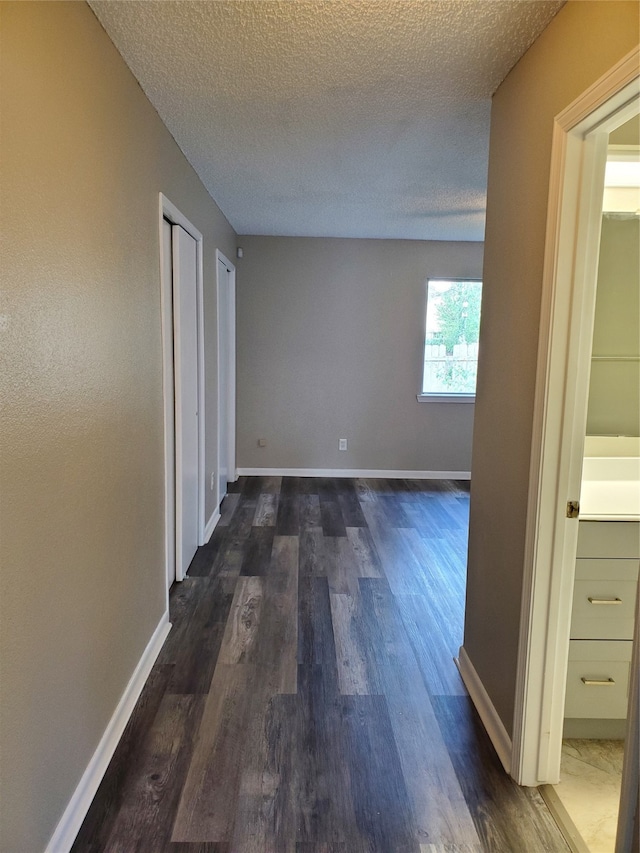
226	305
185	354
566	329
169	400
169	218
223	378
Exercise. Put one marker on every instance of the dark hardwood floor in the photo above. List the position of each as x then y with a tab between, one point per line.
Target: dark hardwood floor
306	699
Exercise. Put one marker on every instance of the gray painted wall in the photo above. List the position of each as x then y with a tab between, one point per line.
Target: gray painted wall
330	345
614	390
84	156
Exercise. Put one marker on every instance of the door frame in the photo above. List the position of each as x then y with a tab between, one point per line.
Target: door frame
231	384
580	137
167	210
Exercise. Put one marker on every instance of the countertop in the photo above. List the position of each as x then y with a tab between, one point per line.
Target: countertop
610	488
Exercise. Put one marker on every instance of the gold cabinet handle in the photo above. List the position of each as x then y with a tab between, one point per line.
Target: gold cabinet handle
604	600
597	682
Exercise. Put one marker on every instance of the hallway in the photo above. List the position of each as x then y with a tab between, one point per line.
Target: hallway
306	699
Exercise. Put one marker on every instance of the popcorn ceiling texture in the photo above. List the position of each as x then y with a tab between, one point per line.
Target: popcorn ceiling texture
348	119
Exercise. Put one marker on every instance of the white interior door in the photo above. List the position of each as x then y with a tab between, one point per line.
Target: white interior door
226	374
185	335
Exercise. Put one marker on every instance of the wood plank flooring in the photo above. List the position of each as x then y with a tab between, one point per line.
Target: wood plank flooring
306	699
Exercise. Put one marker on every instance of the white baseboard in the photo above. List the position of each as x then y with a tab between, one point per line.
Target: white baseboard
210	525
374	473
485	708
76	811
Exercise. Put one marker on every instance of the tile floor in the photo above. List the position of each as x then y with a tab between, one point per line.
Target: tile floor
591	774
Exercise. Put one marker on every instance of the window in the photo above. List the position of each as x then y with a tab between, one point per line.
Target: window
451	340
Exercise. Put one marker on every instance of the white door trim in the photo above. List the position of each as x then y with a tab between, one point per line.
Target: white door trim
169	211
166	296
566	327
231	384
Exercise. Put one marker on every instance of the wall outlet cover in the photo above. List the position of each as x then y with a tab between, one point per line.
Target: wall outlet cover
342	444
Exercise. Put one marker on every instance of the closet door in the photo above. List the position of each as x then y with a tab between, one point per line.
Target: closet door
185	335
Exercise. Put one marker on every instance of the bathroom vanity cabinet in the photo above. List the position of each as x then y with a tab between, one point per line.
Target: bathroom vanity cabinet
606	578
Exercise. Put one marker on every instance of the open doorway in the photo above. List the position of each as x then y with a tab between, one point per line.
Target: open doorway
581	141
606	568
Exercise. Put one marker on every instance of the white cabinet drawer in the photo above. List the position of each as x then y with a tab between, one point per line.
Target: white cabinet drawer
603	609
600	569
609	539
598	679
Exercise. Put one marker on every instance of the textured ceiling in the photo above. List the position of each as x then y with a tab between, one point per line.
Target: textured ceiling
331	118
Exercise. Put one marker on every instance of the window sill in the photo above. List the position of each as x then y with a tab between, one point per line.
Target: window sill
446	398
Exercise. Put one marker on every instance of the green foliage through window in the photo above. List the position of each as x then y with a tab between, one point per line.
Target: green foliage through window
451	340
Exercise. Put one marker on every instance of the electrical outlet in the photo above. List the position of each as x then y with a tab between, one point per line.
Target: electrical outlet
213	480
342	444
262	442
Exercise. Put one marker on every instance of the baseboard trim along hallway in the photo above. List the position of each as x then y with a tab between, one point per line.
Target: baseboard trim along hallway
71	821
486	709
210	525
374	473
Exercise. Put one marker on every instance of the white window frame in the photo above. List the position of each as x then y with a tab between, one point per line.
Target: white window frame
436	396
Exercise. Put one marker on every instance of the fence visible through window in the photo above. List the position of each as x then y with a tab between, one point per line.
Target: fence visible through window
444	372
